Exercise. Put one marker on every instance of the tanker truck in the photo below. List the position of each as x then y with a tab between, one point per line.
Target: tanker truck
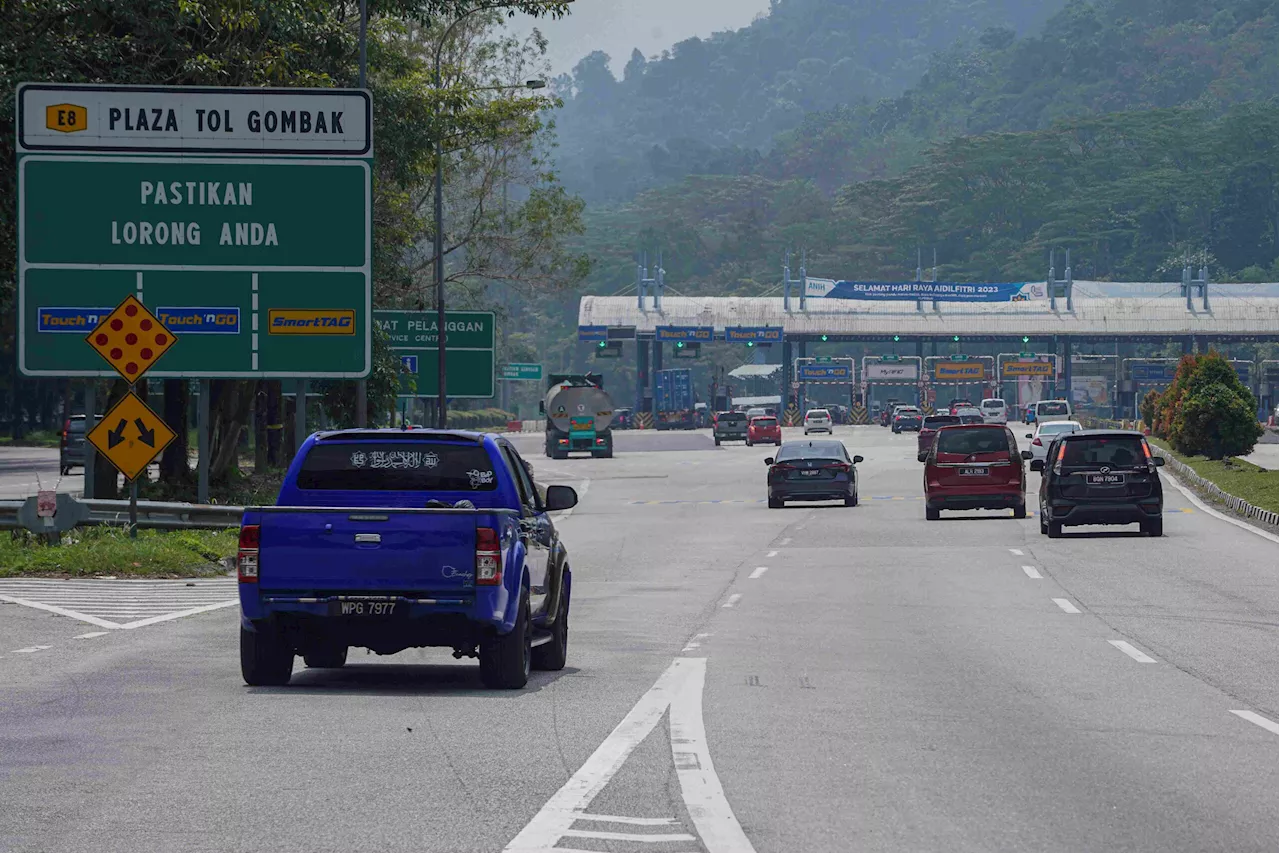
578	413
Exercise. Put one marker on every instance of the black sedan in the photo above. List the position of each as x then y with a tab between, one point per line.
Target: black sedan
812	470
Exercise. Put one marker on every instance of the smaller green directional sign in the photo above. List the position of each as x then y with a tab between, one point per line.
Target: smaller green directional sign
469	342
522	372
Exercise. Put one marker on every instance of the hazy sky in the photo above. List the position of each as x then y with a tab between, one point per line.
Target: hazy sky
617	26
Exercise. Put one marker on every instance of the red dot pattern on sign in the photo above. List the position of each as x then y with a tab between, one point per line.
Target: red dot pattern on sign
131	310
131	339
117	324
145	325
147	353
101	339
131	368
161	340
116	353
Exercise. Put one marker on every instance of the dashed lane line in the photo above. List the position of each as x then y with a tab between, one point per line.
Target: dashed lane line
91	635
1031	572
733	599
771	554
1015	552
1258	720
1067	606
1139	656
30	649
757	572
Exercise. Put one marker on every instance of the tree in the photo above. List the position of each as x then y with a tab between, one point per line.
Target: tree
1207	410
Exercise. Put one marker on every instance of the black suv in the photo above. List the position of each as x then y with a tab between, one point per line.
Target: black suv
1099	477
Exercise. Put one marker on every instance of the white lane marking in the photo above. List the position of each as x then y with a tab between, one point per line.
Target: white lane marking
1067	606
632	821
1031	572
700	788
61	611
680	689
178	615
1129	650
91	635
733	599
695	642
1205	508
771	554
759	570
785	542
656	838
1015	552
29	649
1258	719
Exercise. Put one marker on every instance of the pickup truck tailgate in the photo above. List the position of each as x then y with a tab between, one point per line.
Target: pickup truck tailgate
381	550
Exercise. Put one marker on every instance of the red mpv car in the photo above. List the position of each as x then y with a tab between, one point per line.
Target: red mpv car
764	431
974	466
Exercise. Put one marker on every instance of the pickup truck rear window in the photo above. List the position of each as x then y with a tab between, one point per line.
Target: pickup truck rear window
409	467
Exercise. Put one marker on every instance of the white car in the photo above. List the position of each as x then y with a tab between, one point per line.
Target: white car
1045	433
968	414
994	411
817	420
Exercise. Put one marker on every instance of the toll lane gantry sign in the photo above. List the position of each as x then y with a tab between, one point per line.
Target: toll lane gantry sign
240	217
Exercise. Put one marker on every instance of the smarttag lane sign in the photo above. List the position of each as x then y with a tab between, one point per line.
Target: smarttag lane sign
264	257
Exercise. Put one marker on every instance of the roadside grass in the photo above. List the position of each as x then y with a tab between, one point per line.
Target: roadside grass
1245	480
107	550
35	438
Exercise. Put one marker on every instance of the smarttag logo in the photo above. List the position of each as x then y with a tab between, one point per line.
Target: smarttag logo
66	118
311	321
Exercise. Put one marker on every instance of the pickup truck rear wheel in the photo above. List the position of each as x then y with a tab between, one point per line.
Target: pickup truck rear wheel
551	656
265	659
505	658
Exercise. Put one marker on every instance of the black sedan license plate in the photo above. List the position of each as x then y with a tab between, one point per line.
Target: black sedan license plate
1104	479
812	473
377	609
974	472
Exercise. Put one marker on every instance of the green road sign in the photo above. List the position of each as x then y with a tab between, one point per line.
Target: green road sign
1026	355
253	246
822	359
522	372
959	357
888	358
469	341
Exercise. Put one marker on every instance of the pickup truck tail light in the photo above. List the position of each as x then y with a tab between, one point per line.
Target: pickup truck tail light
247	555
488	557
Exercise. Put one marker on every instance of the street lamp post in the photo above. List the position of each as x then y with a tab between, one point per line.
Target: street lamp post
442	396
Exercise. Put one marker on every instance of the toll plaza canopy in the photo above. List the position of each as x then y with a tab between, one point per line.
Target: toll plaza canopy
1153	311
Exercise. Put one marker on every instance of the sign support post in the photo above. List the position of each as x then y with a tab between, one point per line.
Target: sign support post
90	452
133	491
300	416
202	443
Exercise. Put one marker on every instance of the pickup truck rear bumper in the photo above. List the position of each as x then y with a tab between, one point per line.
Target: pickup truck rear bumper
446	619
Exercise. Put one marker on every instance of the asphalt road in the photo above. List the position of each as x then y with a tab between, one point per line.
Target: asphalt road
816	678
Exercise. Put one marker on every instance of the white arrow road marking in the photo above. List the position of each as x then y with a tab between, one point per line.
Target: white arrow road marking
679	689
61	611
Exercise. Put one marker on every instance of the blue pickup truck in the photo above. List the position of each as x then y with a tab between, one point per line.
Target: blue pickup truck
394	539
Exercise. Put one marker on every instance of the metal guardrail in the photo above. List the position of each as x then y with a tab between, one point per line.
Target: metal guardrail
158	515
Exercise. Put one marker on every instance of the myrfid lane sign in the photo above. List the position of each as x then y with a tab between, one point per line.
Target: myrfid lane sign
469	345
264	258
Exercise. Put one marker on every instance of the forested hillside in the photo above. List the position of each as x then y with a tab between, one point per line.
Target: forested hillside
713	104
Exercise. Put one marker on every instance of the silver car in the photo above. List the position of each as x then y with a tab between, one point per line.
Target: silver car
1045	434
817	420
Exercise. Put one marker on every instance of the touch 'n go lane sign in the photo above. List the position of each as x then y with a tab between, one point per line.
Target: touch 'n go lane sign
193	119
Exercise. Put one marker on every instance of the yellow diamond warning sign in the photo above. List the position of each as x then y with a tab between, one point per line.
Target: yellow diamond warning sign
67	118
130	436
131	339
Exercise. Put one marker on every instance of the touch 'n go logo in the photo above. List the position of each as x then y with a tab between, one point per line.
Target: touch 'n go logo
66	118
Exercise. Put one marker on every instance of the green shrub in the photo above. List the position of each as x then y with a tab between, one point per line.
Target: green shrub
1207	410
